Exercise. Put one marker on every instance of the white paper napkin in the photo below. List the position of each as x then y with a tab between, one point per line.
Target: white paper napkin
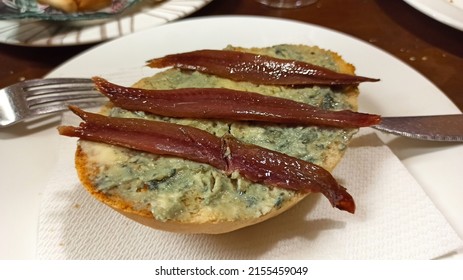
394	220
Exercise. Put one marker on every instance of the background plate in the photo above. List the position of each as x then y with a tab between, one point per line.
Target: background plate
449	12
31	9
149	13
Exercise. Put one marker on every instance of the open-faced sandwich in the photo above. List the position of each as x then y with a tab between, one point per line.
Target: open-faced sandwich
222	139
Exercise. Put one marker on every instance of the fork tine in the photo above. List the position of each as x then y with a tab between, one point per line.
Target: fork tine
36	92
62	96
42	96
53	95
60	106
38	87
51	92
56	94
56	81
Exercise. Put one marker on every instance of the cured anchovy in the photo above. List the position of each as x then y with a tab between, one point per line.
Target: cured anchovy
280	170
221	103
153	137
254	68
255	163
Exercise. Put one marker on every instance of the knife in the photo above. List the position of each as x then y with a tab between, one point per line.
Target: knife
448	128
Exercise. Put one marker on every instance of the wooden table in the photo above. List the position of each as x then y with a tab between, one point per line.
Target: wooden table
432	48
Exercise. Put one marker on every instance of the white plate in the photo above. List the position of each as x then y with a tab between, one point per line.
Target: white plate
27	159
55	33
449	12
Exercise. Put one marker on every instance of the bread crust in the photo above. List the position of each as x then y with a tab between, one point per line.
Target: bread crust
145	217
72	6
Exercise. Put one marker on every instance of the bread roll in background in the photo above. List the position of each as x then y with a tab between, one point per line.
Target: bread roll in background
72	6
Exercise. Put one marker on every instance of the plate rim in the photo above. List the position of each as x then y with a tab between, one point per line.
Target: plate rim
442	11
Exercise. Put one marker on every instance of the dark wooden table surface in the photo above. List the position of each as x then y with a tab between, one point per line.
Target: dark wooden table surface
432	48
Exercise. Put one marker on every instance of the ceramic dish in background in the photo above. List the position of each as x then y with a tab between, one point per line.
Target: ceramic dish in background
449	12
33	151
31	9
94	27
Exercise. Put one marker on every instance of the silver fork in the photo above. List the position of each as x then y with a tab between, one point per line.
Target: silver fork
37	97
43	96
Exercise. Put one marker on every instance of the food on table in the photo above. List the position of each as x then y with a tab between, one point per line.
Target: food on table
226	153
221	103
72	6
256	68
215	175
